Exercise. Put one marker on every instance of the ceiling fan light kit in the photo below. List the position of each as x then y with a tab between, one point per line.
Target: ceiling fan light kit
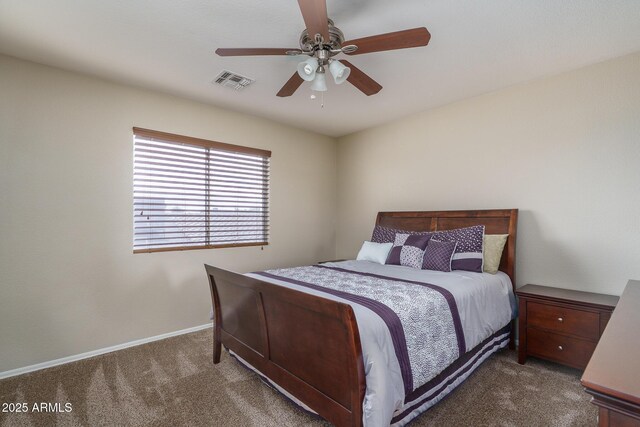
310	70
322	40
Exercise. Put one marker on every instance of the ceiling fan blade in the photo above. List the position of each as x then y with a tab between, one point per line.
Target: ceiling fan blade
314	13
290	86
255	51
391	41
359	79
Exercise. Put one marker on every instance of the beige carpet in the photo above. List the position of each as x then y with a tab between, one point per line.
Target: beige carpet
174	382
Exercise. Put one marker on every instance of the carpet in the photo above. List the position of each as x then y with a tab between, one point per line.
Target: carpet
173	382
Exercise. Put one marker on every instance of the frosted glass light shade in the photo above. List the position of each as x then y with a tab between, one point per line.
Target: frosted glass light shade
319	83
339	72
307	69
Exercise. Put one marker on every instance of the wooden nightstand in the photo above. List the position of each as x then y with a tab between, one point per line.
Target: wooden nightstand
561	325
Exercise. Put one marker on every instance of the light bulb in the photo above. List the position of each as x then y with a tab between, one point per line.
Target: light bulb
307	69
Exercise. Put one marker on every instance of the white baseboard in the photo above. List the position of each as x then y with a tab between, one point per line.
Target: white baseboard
76	357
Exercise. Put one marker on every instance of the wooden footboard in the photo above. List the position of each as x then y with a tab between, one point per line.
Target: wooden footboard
308	345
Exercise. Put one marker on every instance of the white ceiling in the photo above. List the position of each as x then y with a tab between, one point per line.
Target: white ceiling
168	45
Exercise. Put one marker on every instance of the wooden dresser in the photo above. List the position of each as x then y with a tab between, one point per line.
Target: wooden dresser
613	374
561	325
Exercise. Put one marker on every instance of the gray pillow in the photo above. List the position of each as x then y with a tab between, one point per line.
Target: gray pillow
438	255
468	254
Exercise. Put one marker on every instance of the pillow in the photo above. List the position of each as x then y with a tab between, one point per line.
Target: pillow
492	252
468	254
384	235
376	252
408	250
438	255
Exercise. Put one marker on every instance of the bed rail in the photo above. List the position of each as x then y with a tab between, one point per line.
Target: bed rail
308	345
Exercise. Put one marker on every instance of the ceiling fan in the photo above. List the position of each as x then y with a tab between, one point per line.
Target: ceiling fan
321	41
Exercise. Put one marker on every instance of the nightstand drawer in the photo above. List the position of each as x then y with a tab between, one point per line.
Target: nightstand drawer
570	351
585	324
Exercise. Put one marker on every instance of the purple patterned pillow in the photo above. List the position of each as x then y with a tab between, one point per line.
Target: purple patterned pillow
468	253
438	255
408	250
388	235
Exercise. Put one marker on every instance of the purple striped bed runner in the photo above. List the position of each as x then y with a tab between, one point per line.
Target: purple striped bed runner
422	318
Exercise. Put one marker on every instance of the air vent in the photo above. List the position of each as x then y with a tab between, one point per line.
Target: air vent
232	80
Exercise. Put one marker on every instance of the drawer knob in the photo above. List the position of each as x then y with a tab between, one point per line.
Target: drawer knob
560	348
560	319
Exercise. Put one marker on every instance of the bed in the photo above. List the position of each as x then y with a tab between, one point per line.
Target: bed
355	361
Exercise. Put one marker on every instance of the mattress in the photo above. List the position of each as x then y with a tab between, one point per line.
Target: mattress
423	332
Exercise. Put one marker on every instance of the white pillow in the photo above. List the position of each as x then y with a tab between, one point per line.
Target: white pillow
376	252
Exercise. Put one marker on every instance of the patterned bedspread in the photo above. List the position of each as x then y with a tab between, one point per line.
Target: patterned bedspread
422	318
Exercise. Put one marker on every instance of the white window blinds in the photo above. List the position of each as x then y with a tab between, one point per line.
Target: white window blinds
190	193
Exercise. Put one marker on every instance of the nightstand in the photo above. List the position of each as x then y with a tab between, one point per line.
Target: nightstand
561	325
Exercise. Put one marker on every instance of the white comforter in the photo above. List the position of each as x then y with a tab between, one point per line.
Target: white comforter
485	304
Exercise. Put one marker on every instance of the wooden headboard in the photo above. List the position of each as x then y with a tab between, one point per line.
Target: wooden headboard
496	221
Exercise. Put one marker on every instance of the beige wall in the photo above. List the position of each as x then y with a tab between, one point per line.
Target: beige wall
69	282
565	150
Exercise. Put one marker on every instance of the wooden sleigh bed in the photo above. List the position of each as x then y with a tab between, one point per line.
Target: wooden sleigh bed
310	346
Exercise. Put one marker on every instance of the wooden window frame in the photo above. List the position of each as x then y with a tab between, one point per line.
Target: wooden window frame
219	147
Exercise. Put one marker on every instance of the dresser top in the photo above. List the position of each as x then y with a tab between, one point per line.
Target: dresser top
614	368
588	299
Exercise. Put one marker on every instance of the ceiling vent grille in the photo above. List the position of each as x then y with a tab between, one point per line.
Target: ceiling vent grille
232	80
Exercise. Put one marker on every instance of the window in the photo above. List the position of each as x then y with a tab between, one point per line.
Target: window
191	193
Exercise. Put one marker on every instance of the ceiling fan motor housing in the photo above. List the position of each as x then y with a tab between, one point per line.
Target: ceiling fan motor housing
309	45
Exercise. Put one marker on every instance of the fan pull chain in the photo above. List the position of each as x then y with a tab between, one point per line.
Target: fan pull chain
313	96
